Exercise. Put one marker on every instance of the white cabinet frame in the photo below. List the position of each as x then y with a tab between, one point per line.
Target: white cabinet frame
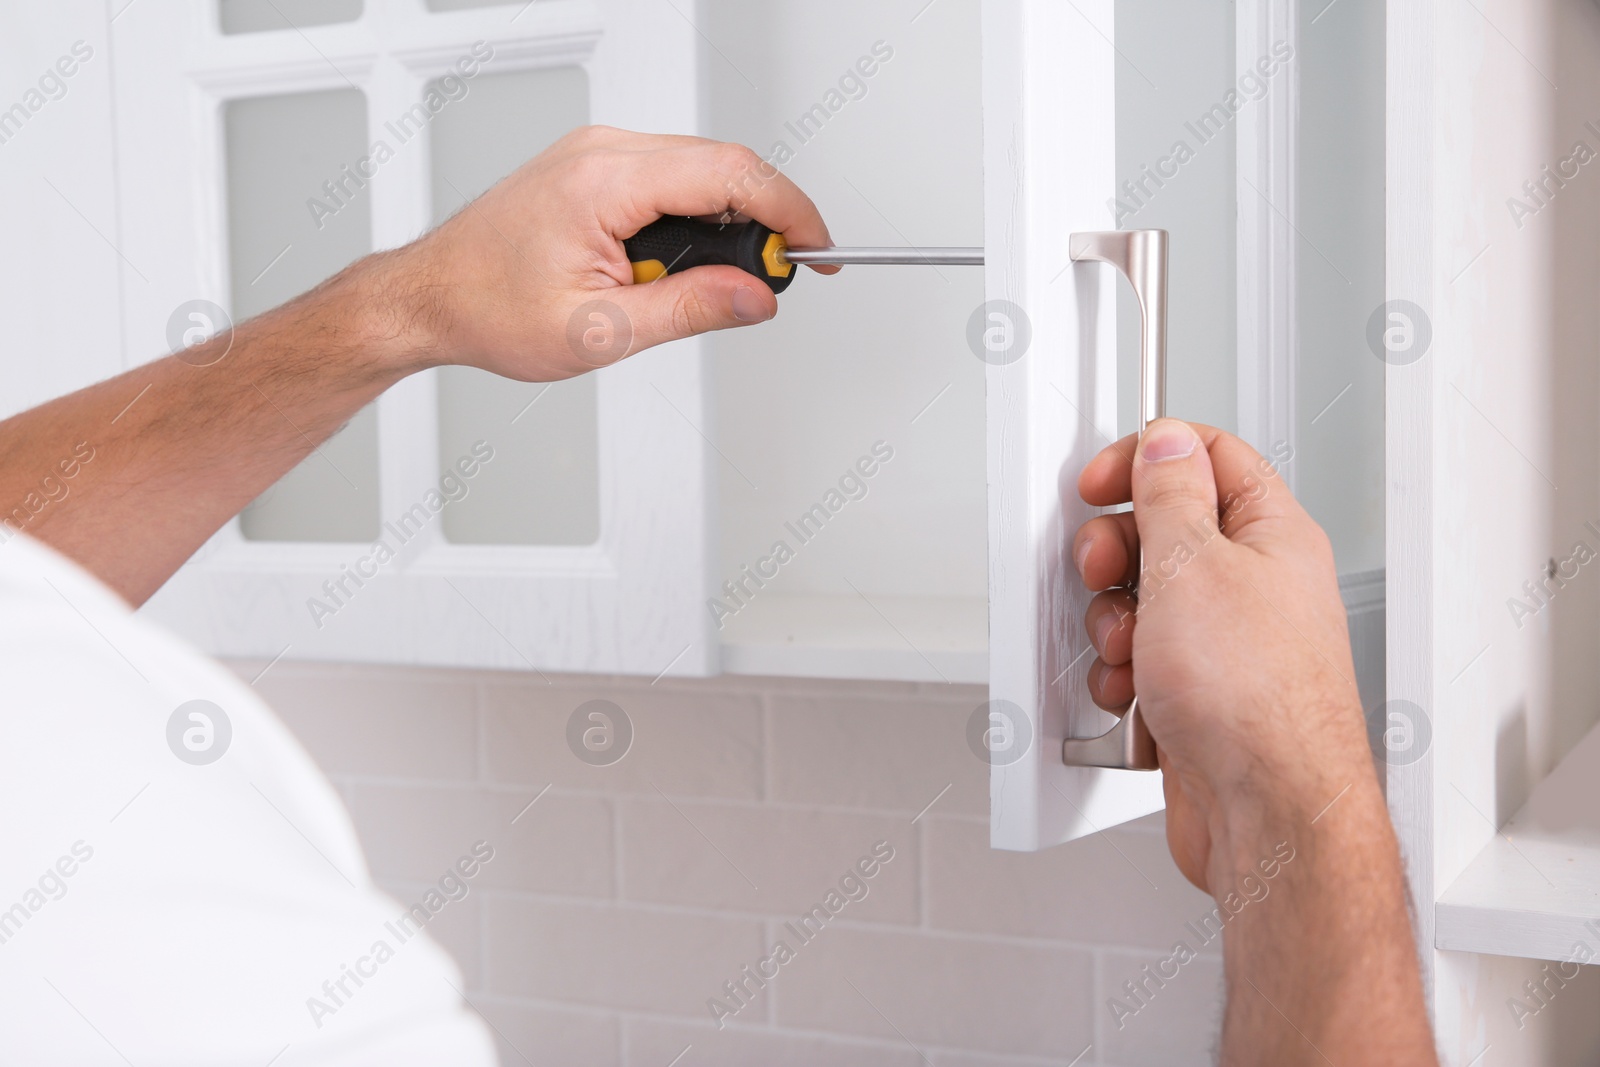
633	602
1265	169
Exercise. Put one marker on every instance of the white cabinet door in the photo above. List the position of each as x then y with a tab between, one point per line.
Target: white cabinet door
1131	115
632	600
1049	171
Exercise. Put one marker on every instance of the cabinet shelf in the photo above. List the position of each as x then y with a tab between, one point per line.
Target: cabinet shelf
932	639
1534	891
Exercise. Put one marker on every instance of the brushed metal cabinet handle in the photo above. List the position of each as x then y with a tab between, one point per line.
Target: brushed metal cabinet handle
1141	256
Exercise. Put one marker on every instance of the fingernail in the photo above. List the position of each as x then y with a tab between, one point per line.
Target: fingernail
1167	439
1098	674
1082	556
747	306
1102	631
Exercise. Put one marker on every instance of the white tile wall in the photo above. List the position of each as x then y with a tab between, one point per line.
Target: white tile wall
626	896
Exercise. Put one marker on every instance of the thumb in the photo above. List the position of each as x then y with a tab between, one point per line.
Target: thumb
693	302
1174	492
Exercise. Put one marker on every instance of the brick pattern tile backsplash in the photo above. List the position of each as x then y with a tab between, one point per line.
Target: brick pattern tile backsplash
632	911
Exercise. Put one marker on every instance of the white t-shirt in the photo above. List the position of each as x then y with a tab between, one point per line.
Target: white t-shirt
156	909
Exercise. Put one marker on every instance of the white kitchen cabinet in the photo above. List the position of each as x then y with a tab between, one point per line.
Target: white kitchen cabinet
240	186
622	524
1493	458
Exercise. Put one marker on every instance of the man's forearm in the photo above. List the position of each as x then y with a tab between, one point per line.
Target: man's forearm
1321	965
179	448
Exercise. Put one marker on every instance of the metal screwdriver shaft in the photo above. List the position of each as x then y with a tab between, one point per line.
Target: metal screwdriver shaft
933	257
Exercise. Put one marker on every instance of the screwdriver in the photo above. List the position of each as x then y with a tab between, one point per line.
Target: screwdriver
670	245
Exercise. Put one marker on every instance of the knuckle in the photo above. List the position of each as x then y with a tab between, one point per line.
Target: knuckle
1224	437
572	142
591	135
735	160
590	168
1166	494
687	315
1318	543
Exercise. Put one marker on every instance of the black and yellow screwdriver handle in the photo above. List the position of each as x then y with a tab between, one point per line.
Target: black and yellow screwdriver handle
670	245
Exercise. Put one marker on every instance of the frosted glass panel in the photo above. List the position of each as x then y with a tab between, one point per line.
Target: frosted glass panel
1340	277
253	16
502	122
1177	90
331	496
288	230
542	486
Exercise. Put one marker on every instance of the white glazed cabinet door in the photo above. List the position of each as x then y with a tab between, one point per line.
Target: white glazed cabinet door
632	601
1050	331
